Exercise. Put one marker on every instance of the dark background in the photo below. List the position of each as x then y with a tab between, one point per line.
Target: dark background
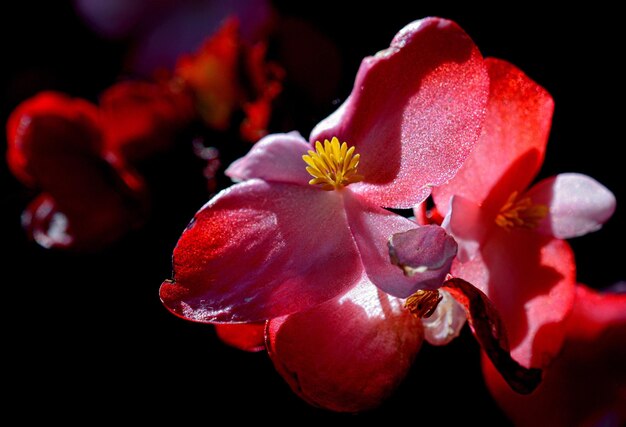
87	331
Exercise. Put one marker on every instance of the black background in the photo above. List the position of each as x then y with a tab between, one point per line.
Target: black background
87	331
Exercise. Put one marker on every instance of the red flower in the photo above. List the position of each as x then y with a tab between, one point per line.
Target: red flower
89	196
509	237
278	245
586	384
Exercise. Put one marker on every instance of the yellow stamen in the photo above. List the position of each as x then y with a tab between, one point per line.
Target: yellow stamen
520	213
332	166
423	303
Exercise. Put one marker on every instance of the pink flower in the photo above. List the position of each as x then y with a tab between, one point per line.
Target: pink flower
586	384
278	246
509	236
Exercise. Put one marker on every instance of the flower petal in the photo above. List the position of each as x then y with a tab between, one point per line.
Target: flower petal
372	227
349	353
261	250
585	384
446	322
424	254
277	157
90	197
415	132
467	224
512	143
578	204
140	119
530	279
490	332
244	336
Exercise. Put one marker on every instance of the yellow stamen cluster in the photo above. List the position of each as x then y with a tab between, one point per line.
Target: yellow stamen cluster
423	303
520	213
332	166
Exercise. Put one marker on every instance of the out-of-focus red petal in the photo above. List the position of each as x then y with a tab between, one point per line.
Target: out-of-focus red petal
414	114
348	354
92	197
277	157
140	119
586	384
260	250
530	279
490	332
425	216
372	227
424	254
578	204
244	336
512	143
212	75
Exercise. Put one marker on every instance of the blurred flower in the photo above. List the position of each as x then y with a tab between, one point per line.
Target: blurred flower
278	244
509	237
89	195
586	384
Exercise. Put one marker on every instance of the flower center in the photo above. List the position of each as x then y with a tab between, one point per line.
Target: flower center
520	213
423	303
332	166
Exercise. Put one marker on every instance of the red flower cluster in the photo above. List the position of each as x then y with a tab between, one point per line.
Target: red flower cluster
81	156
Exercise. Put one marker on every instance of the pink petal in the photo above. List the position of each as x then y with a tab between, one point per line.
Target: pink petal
466	222
531	280
414	113
512	143
276	157
586	384
578	204
424	254
243	336
261	250
349	353
491	334
372	227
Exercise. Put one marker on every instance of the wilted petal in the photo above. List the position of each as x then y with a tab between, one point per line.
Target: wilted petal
530	279
414	113
349	353
578	204
446	322
261	250
490	332
586	384
244	336
277	157
512	143
424	254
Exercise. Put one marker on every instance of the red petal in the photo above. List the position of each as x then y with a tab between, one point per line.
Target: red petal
277	157
491	334
578	204
140	119
244	336
95	199
372	227
466	222
349	353
416	132
586	384
531	280
512	144
261	250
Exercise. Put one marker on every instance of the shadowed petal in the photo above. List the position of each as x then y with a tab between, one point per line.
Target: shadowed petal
414	114
586	384
261	250
349	353
276	157
578	204
512	143
244	336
